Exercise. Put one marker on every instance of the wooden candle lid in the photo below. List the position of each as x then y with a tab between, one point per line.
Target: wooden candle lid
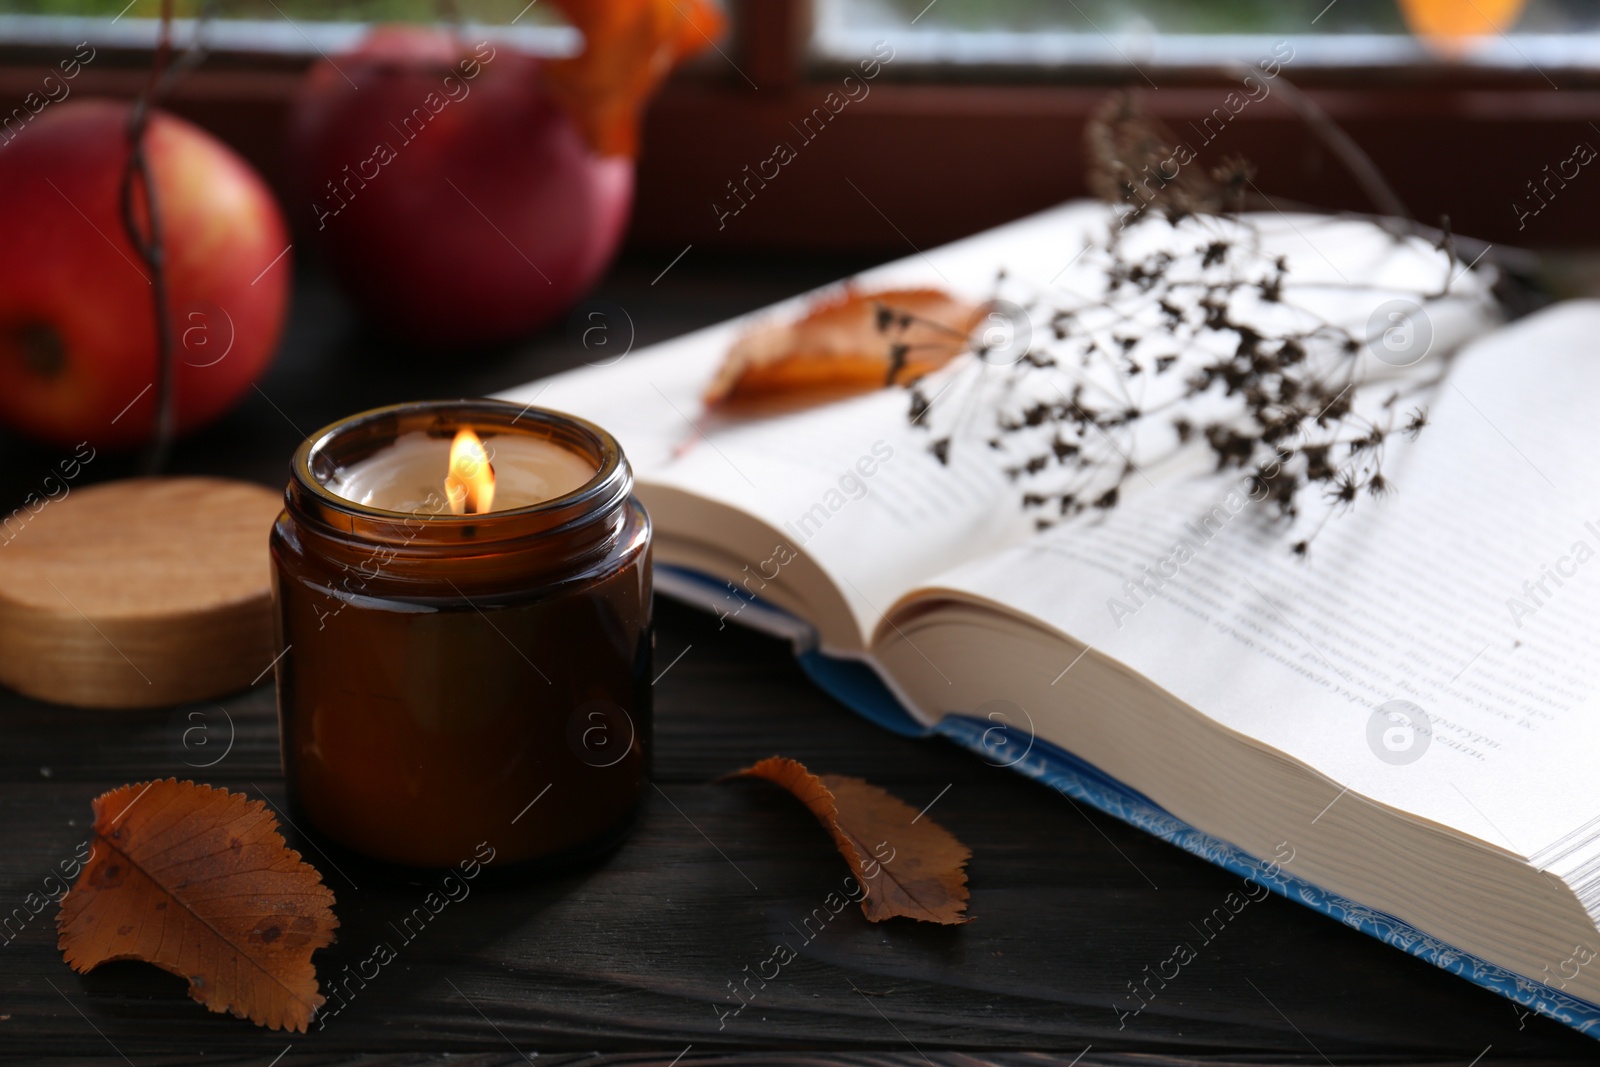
138	593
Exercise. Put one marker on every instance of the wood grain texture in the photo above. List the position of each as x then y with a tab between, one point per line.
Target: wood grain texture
630	961
638	953
140	593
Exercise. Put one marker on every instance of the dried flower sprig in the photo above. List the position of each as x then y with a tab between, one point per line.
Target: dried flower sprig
1182	336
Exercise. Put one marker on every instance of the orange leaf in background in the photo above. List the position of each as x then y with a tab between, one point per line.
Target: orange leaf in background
1450	25
846	344
909	866
629	46
198	882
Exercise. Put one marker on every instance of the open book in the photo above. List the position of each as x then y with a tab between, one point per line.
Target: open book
1391	730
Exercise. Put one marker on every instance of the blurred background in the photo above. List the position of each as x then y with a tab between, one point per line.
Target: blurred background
974	114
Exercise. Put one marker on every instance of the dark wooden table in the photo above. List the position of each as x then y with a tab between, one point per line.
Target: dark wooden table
631	961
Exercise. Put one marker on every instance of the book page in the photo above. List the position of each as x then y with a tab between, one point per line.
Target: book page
1468	595
853	485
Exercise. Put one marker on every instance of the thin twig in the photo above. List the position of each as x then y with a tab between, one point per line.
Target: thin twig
139	195
1331	134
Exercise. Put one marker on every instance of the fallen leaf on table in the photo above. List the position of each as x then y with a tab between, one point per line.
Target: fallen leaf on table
1449	25
629	46
909	866
199	882
852	342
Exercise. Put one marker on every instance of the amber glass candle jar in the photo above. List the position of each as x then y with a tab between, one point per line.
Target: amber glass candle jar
448	679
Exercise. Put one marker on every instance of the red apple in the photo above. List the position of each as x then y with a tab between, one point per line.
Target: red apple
456	201
78	348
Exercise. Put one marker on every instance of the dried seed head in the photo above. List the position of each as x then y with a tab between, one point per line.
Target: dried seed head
1172	334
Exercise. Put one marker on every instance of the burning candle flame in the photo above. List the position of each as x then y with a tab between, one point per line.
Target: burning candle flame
470	482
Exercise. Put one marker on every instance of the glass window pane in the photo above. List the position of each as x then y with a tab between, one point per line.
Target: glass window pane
296	29
479	11
1341	33
1175	16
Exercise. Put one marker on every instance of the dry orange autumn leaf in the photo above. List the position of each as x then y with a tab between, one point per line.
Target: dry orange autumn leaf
853	342
629	46
1450	24
198	882
909	866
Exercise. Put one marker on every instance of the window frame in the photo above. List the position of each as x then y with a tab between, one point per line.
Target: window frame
940	150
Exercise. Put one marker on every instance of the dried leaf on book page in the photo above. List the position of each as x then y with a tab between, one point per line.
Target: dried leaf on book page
851	342
199	882
909	865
